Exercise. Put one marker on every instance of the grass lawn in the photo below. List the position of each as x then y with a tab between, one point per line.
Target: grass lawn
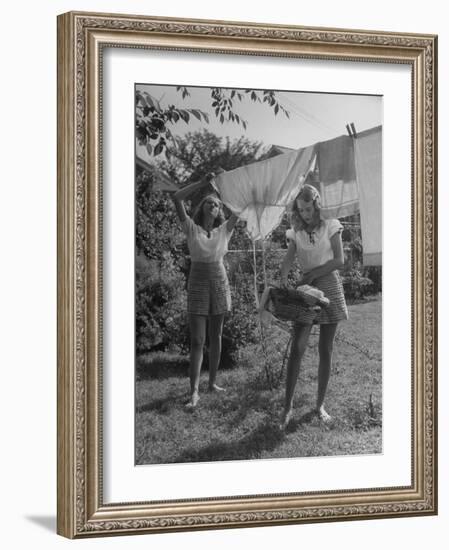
242	423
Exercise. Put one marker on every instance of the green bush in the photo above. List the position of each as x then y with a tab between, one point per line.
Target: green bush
161	319
374	273
160	270
157	227
356	286
240	327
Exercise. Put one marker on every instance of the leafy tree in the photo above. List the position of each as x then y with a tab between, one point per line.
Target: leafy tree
153	121
201	152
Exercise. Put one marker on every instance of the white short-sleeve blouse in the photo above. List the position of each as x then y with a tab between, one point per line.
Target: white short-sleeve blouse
204	248
314	249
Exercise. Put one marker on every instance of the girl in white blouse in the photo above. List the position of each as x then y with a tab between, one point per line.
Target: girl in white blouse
318	246
208	292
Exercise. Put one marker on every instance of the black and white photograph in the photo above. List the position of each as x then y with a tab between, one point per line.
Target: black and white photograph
162	302
258	274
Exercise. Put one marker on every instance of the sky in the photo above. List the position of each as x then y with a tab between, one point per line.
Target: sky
313	116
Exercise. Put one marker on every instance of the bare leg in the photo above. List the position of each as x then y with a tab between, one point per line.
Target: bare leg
325	346
197	325
215	333
299	342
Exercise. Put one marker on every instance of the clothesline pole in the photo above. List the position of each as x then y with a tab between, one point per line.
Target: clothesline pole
263	264
256	294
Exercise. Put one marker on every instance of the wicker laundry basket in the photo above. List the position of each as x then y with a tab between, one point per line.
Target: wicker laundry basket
293	304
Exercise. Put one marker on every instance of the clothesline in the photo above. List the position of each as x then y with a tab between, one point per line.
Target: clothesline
350	182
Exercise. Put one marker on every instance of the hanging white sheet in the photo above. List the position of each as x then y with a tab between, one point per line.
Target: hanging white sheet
368	162
259	192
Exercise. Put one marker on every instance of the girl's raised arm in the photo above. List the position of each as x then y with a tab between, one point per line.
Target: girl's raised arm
180	208
231	221
182	194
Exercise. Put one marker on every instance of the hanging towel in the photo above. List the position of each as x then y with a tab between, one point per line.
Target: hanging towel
259	192
368	163
338	185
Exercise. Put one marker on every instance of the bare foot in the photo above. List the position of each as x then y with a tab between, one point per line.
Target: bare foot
286	418
194	398
323	415
215	387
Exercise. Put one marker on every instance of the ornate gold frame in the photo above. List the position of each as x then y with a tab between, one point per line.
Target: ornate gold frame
81	37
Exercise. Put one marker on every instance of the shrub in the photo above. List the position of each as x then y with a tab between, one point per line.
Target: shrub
355	285
240	326
375	274
157	226
161	320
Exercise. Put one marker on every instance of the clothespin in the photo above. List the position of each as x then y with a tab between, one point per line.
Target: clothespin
350	128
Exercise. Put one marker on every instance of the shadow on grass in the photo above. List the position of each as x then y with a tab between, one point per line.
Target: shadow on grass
266	437
250	401
163	405
162	368
354	420
310	417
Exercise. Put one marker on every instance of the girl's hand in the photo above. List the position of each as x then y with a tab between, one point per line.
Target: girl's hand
209	179
214	185
206	179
